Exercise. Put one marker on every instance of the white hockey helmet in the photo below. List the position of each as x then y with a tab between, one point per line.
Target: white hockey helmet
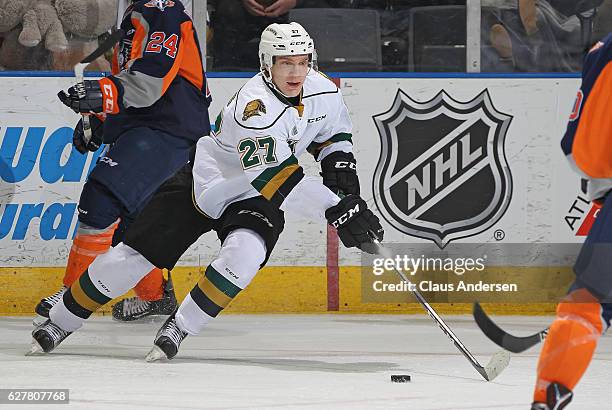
284	40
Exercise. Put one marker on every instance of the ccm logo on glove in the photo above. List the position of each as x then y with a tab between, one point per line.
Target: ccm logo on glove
356	224
346	216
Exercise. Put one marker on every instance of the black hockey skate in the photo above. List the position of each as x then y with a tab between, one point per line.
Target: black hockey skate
167	341
47	337
557	396
44	306
135	308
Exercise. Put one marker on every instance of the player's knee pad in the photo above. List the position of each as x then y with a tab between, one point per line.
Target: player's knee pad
151	287
242	253
98	207
256	215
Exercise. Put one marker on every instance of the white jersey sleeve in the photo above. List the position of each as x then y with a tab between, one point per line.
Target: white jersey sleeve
337	134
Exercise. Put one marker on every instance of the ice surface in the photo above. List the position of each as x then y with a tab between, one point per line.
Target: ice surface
299	362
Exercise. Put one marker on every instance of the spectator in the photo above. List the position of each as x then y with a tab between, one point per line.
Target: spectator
539	35
603	20
237	25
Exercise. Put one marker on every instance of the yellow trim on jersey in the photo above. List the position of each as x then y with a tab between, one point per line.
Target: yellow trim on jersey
277	181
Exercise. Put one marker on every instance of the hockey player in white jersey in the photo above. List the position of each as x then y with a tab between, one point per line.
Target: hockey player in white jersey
241	181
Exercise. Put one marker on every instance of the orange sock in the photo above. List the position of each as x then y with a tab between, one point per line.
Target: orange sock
85	248
151	287
570	343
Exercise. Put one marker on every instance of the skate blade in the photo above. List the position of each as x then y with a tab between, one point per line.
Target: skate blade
35	349
39	320
155	355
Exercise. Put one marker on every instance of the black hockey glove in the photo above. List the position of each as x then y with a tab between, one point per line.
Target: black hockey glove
97	135
356	224
92	102
339	172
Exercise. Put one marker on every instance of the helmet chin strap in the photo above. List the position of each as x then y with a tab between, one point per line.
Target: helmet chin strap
273	86
270	81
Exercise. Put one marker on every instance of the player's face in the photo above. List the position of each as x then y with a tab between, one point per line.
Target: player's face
289	73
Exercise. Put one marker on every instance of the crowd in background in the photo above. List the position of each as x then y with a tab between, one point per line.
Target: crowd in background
420	35
357	35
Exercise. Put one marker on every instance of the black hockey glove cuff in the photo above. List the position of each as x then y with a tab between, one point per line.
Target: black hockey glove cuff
339	172
97	135
356	224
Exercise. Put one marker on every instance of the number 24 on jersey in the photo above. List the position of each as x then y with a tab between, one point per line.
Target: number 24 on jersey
159	41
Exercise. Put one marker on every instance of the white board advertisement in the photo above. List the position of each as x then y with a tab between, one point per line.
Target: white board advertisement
441	160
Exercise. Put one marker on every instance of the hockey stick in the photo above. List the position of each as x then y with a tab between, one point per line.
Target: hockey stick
79	69
497	363
500	337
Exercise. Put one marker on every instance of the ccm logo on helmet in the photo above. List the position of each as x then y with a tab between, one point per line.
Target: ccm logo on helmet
344	218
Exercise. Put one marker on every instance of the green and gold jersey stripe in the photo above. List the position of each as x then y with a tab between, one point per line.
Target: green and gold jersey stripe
279	179
218	123
315	147
342	136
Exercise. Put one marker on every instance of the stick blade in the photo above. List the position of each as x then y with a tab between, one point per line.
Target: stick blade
497	364
502	338
488	327
107	44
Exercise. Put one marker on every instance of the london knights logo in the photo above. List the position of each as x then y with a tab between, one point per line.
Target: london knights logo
442	172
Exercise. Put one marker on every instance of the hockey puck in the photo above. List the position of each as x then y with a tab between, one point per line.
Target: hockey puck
400	378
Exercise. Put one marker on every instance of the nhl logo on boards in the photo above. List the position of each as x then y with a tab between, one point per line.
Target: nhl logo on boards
442	172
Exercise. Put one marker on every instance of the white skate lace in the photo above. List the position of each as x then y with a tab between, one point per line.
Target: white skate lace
53	299
172	331
135	306
56	333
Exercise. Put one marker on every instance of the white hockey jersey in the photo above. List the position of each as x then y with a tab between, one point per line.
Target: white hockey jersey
257	141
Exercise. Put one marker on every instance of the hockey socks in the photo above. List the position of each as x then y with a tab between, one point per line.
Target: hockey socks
86	246
241	255
151	287
109	276
570	344
206	300
77	304
90	243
